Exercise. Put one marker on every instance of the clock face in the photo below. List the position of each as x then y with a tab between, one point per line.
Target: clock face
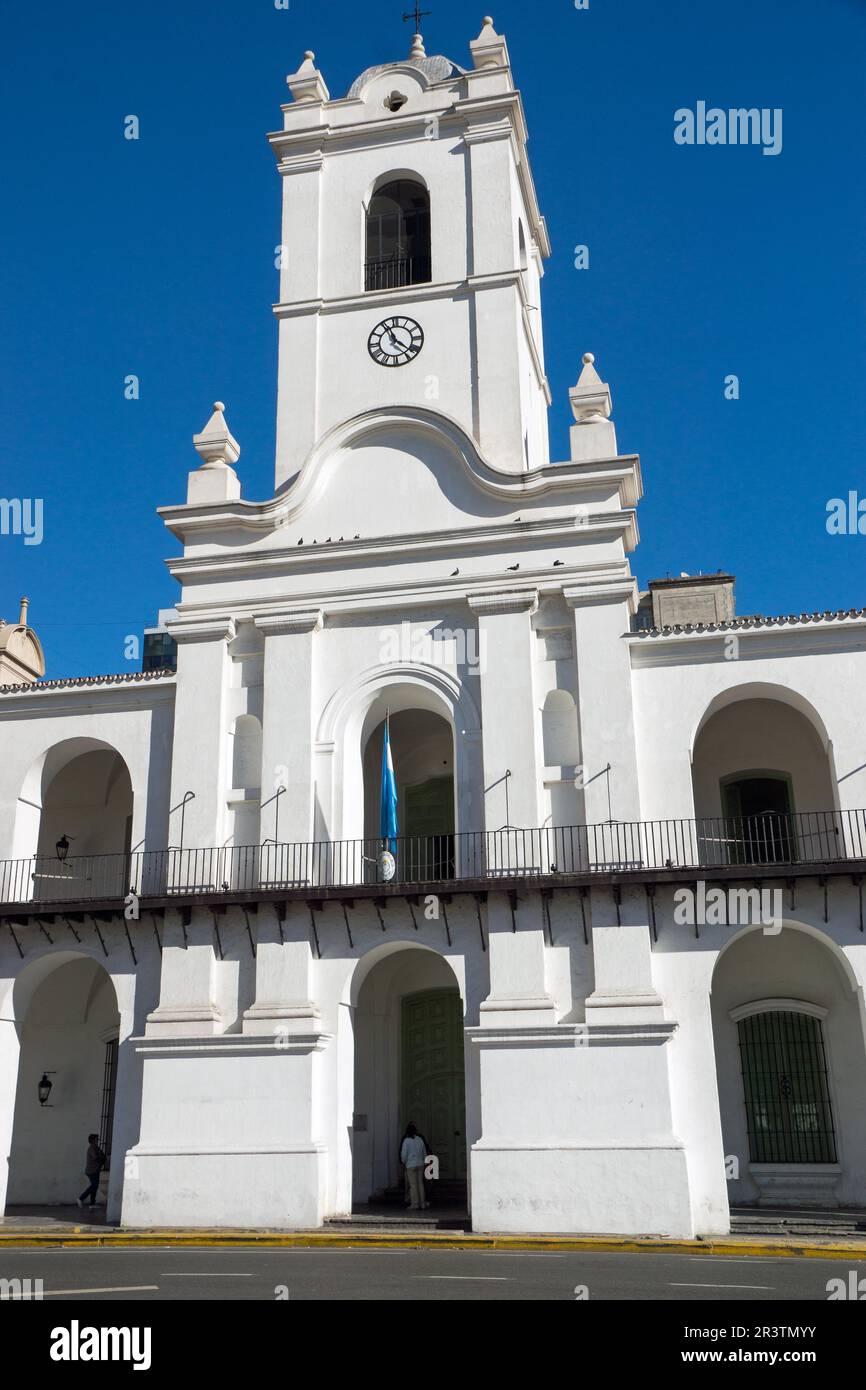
395	342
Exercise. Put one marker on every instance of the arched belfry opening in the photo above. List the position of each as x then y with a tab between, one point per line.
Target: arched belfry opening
398	250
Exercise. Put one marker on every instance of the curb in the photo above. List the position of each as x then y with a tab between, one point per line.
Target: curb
855	1250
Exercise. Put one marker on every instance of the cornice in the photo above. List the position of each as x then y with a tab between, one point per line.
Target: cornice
290	623
504	601
64	701
125	678
572	1035
761	639
755	622
314	1041
422	594
604	591
211	630
447	544
371	299
305	162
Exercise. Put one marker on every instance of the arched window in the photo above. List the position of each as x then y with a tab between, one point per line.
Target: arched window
788	1114
559	730
398	236
247	753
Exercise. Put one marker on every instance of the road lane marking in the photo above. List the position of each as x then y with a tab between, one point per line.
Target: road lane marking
118	1288
473	1278
723	1286
205	1274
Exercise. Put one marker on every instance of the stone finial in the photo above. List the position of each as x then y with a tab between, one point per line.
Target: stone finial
417	50
590	398
215	480
216	445
22	620
308	84
489	50
593	436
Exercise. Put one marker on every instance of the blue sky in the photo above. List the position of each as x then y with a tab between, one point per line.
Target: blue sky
155	258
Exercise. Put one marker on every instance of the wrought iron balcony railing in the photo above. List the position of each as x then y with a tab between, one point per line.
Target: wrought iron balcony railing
396	272
812	837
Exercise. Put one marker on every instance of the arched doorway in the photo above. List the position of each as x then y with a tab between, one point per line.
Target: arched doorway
790	1058
68	1026
409	1066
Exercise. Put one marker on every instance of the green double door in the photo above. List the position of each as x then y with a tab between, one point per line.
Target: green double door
433	1094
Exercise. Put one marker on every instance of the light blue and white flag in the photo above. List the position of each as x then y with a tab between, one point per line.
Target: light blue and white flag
388	828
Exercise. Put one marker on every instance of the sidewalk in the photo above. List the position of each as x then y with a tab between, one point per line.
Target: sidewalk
64	1227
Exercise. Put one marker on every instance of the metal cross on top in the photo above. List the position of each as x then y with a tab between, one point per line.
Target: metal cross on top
417	14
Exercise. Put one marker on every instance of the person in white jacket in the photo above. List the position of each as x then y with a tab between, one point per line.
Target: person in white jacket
413	1156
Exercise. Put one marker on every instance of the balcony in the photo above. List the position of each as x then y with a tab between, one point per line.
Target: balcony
396	272
729	848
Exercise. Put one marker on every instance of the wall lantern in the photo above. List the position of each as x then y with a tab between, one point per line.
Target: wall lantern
44	1089
62	847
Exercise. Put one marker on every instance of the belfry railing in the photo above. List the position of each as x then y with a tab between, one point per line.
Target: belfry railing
614	847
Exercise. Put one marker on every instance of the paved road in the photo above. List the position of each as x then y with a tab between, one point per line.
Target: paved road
356	1274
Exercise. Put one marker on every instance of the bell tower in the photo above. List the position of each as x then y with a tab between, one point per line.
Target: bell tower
411	255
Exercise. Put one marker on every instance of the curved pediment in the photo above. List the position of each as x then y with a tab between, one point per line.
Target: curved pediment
402	471
389	473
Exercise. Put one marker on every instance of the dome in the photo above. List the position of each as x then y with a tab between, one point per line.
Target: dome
435	69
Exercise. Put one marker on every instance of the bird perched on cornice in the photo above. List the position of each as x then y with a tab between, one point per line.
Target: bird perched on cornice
513	567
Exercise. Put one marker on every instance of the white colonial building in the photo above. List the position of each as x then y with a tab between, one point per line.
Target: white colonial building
591	781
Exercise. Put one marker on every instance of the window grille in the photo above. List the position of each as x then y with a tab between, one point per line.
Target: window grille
784	1068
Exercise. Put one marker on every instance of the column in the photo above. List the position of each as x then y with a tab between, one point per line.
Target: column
622	964
495	303
298	311
200	748
187	988
606	717
508	713
518	995
284	983
287	740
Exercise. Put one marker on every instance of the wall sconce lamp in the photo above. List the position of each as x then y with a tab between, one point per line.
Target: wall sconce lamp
44	1089
62	848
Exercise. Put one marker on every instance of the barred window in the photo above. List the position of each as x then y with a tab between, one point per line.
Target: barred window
109	1085
784	1069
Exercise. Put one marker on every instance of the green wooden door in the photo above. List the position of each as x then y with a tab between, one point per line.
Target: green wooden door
433	1084
428	824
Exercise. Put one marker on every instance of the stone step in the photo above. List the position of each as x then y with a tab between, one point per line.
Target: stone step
406	1223
791	1222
